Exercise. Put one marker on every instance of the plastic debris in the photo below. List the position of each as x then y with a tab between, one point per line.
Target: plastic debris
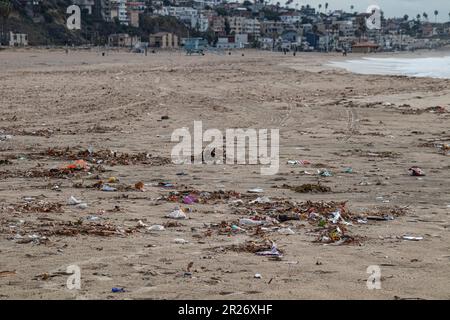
255	190
5	137
411	238
299	162
156	227
177	214
189	199
77	165
257	276
108	188
336	216
348	170
73	201
286	231
325	173
416	172
117	290
236	228
273	252
82	206
142	224
260	200
250	222
180	241
78	203
92	218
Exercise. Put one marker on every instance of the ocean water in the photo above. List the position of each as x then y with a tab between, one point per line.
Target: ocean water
436	67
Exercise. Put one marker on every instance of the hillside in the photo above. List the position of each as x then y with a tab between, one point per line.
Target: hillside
47	24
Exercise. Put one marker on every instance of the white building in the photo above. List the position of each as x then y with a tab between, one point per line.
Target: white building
200	22
290	17
18	39
181	13
122	13
252	26
238	41
237	24
201	4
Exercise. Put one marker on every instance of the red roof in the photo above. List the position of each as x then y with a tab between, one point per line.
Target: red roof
365	45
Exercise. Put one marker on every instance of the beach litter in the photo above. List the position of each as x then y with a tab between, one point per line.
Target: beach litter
108	188
325	173
255	190
411	238
77	203
77	165
261	200
299	162
286	231
180	241
5	137
156	227
250	222
117	290
177	214
273	252
189	199
416	172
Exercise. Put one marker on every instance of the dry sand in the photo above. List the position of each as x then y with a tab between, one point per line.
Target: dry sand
330	117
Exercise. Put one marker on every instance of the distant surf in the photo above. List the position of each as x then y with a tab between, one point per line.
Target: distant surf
436	67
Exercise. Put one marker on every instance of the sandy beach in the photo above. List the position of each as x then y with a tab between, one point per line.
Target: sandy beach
115	115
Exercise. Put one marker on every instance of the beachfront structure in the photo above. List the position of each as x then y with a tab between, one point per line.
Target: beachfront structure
18	39
164	40
122	40
237	41
365	47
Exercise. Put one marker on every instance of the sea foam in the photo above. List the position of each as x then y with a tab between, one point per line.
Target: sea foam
436	67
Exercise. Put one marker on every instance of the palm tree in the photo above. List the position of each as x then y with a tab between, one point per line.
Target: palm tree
352	7
436	13
425	16
326	6
418	17
320	7
406	17
5	11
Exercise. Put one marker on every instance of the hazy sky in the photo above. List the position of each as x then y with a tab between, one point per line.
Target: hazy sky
391	8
